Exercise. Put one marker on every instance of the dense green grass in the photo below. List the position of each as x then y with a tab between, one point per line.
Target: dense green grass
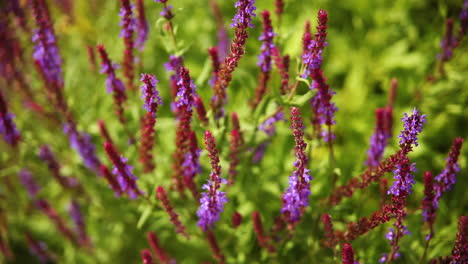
369	43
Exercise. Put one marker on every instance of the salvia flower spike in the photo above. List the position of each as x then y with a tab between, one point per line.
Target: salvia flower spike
184	103
123	172
29	183
348	254
160	252
296	196
46	53
79	222
146	257
380	138
213	200
447	178
39	249
162	196
150	94
142	26
460	250
81	143
7	127
128	24
264	59
114	84
241	21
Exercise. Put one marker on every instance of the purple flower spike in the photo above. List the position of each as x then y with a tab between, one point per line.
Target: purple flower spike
27	180
380	138
413	125
186	90
150	94
264	59
46	54
123	171
211	202
448	177
142	26
313	58
7	126
296	196
81	143
78	220
245	12
128	22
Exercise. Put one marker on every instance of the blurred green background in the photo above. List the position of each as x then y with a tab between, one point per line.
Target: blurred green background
369	42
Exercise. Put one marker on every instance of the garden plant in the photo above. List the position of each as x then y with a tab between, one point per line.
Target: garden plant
268	131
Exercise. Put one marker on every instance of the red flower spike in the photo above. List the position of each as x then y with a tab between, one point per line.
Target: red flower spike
105	172
235	148
161	253
162	196
263	239
146	257
460	251
147	142
59	223
91	58
217	254
104	132
201	110
348	254
128	29
330	240
282	69
236	219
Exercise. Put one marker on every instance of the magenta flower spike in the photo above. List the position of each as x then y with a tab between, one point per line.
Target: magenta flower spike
212	202
296	196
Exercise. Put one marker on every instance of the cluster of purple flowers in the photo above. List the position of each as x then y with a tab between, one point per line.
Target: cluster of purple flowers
404	180
128	21
245	12
413	125
149	93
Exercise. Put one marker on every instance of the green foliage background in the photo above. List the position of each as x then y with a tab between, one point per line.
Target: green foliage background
369	43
